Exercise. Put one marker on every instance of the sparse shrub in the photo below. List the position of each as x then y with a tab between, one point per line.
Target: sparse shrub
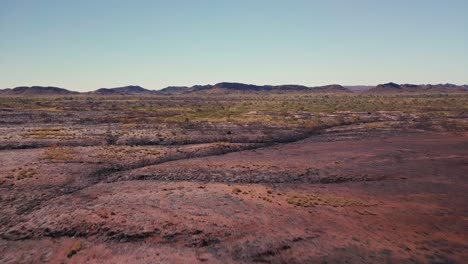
310	200
424	123
111	138
74	249
355	119
48	133
453	125
339	120
236	190
59	153
104	213
25	173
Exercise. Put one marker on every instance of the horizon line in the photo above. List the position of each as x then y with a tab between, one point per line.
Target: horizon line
151	89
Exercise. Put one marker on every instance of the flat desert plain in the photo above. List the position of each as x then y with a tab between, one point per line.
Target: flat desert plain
256	178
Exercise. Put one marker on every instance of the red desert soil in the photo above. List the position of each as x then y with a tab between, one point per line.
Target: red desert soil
391	198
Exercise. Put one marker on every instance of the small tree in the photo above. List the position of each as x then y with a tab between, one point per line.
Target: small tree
111	138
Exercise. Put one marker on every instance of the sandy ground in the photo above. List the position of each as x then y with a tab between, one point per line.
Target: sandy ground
396	197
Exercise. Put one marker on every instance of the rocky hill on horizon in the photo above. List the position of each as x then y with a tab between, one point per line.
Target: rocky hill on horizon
231	87
125	90
421	88
36	90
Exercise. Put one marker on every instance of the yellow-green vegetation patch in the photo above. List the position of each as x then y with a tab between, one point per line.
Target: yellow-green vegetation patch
59	153
130	125
25	173
120	153
310	200
376	125
48	133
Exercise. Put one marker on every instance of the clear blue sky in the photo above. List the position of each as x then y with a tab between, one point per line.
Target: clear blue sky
86	44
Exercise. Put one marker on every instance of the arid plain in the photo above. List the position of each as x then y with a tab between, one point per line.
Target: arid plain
234	178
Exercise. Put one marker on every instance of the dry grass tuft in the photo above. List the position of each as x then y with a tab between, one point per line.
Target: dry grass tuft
59	153
74	249
310	200
48	133
104	213
25	174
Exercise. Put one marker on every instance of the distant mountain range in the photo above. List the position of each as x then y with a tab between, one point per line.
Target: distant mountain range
228	87
412	88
